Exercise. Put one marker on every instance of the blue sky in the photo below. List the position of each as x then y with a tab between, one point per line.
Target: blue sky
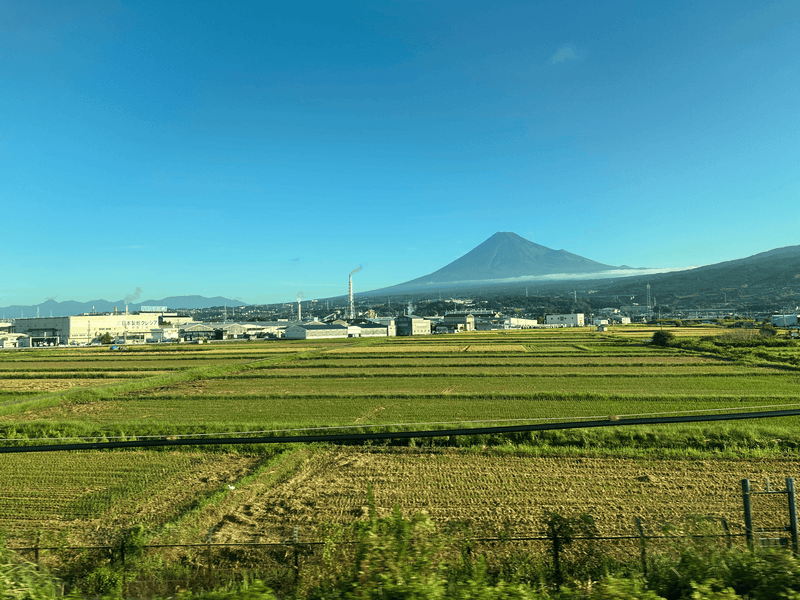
256	150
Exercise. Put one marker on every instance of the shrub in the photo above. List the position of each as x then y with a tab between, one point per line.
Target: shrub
663	338
20	579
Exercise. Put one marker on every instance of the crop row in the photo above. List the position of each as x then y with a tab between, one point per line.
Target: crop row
698	370
246	413
643	386
328	361
135	358
78	375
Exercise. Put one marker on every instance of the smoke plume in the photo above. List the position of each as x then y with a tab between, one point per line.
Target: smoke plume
133	297
354	271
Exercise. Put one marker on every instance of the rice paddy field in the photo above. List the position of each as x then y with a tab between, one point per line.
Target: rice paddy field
494	482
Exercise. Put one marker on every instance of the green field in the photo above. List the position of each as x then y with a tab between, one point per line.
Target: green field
468	380
555	374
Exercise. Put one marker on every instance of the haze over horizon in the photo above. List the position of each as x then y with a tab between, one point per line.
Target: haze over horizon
253	151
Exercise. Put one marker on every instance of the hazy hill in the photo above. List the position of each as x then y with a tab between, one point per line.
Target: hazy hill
768	276
71	307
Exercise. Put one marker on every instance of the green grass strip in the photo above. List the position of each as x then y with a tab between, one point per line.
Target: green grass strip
108	392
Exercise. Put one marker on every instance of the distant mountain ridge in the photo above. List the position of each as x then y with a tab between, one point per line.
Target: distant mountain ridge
506	255
71	307
761	283
772	273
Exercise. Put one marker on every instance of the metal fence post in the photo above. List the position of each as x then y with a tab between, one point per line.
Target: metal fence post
727	532
122	557
208	554
556	556
748	515
296	563
643	544
792	513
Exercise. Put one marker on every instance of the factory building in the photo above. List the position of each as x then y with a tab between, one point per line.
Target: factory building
367	329
413	325
315	330
13	340
88	328
198	331
163	334
503	322
459	321
784	320
388	322
571	320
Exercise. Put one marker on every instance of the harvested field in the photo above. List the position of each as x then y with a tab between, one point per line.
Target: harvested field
644	385
411	348
496	348
44	384
497	492
459	360
77	492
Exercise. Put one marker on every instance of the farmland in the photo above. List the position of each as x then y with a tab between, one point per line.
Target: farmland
259	493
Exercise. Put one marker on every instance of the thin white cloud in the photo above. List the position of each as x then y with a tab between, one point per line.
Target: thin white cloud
563	54
613	273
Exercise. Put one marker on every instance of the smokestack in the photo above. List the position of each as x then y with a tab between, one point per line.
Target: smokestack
352	305
299	306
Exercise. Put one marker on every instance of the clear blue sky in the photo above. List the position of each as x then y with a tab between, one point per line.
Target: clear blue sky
255	150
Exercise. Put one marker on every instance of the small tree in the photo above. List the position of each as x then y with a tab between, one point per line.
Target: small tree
106	338
768	330
662	338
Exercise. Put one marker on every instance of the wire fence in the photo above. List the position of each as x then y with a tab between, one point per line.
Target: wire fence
568	547
166	569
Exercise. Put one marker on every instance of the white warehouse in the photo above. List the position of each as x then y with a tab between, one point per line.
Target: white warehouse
84	329
572	320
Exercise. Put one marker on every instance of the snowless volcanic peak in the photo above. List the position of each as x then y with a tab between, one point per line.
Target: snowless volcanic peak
508	255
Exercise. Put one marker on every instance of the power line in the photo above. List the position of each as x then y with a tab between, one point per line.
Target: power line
363	437
728	409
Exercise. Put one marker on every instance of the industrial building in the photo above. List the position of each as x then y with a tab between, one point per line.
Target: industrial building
571	320
367	329
198	331
504	322
459	321
388	322
13	340
88	328
413	325
784	320
315	330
